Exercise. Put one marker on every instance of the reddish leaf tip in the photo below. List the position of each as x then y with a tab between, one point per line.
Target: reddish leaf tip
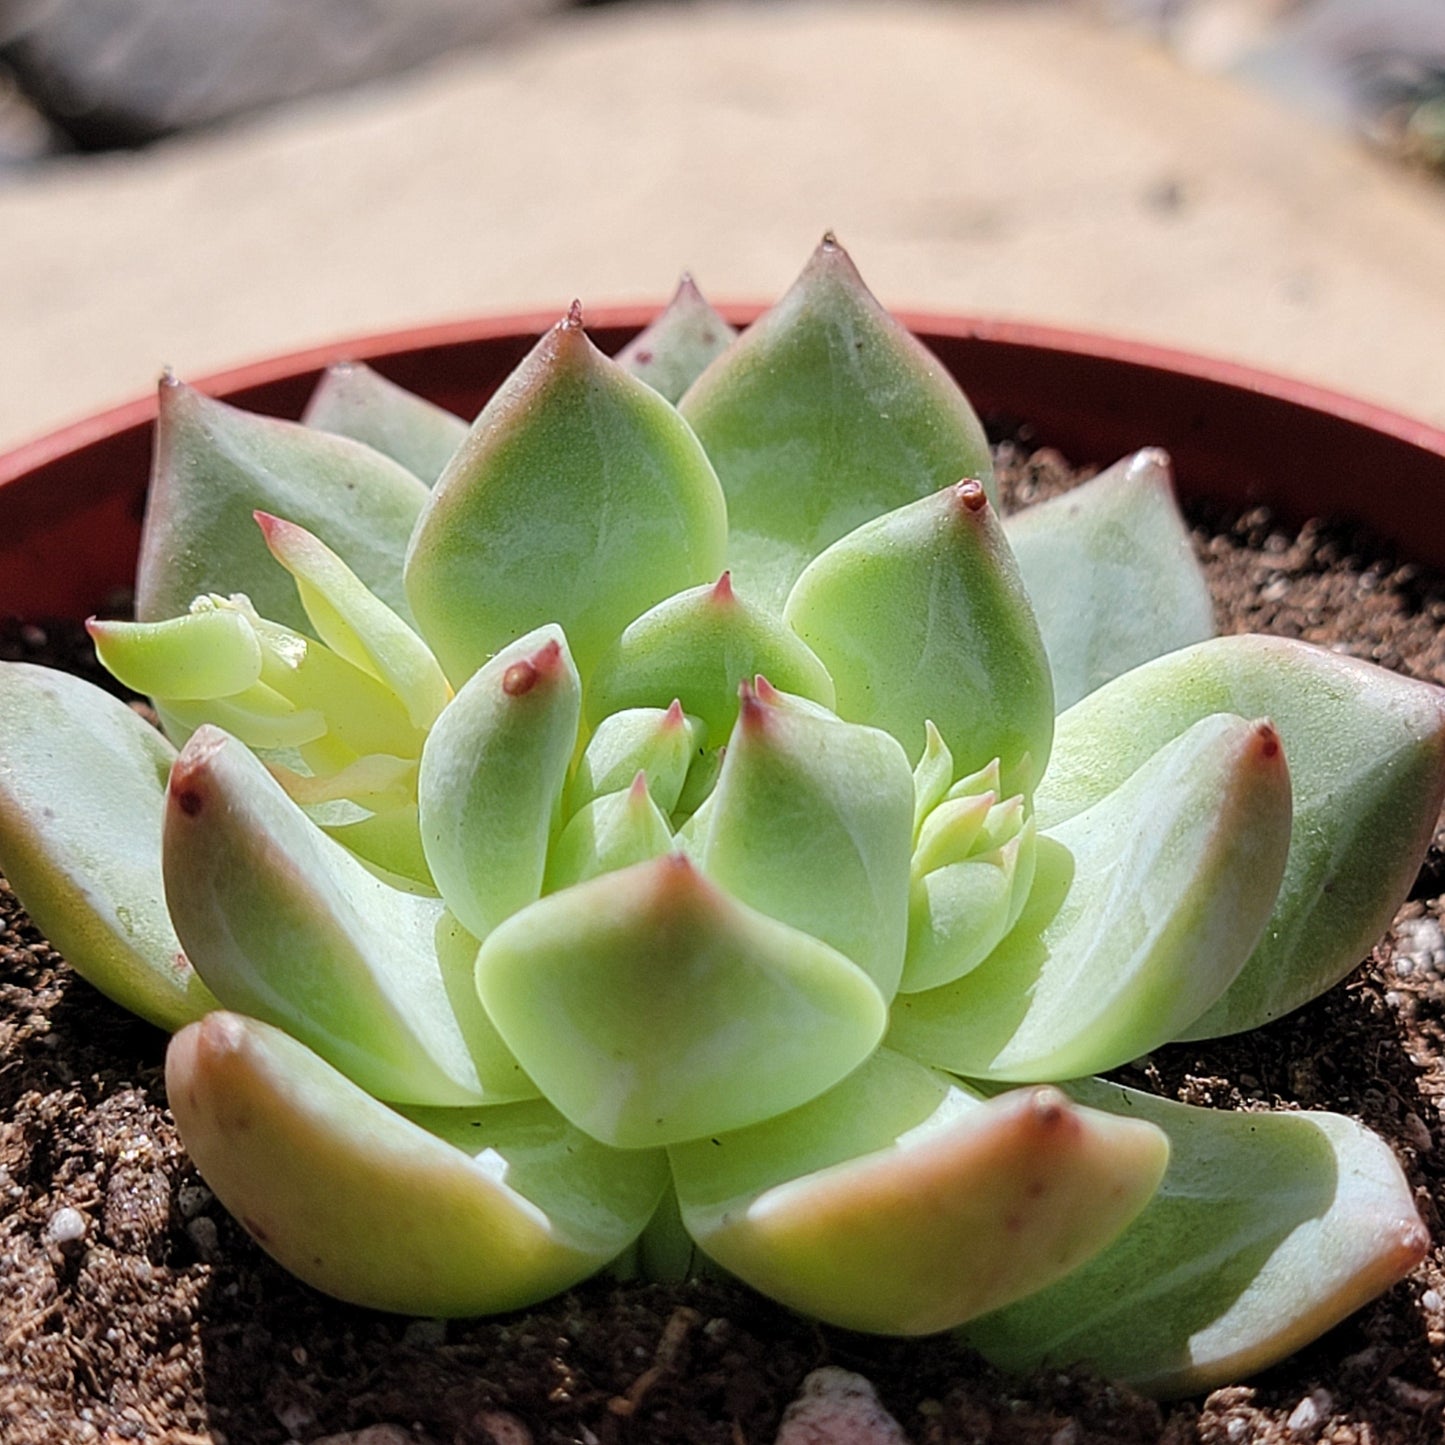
219	1033
186	786
676	875
1267	740
751	708
673	717
1050	1109
722	591
523	675
765	690
971	495
638	789
573	319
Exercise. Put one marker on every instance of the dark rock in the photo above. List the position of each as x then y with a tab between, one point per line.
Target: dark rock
122	72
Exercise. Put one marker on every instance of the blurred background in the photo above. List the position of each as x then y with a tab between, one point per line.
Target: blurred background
197	183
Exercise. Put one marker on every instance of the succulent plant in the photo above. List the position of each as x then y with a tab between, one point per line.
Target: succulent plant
650	837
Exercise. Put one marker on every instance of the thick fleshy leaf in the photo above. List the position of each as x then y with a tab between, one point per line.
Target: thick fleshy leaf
210	652
900	1202
285	925
82	796
491	780
1143	910
661	742
1111	574
651	1007
920	615
354	401
215	466
1267	1230
932	777
580	497
825	413
973	871
1366	752
811	823
356	624
698	646
431	1212
611	832
388	841
675	350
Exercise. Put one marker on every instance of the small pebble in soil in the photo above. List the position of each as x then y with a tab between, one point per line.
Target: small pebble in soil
422	1333
1419	948
1311	1412
191	1199
206	1237
65	1226
837	1407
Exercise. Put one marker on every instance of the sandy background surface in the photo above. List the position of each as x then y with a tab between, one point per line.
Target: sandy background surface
1013	160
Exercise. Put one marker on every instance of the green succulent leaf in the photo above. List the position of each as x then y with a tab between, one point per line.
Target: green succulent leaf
651	1007
697	788
284	924
1111	574
82	796
427	1211
671	353
900	1202
810	823
1143	909
388	841
611	832
1366	753
932	777
1267	1230
208	653
965	898
354	401
302	694
661	742
492	775
579	497
698	646
920	615
216	466
825	413
355	624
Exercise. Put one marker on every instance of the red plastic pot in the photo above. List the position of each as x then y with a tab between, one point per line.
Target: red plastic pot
71	502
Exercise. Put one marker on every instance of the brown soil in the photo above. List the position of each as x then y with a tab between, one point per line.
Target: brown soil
163	1322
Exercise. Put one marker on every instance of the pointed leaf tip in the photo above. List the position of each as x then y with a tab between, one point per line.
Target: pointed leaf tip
753	706
1267	741
749	1018
722	592
971	495
573	319
522	676
190	780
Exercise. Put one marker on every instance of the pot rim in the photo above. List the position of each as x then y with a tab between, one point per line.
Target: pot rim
381	346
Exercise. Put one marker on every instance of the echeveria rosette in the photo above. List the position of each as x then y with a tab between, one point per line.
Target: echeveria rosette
650	823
